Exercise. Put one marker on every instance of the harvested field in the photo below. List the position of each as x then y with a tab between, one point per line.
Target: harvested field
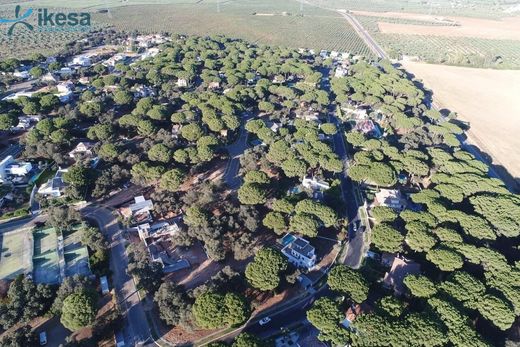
488	99
500	29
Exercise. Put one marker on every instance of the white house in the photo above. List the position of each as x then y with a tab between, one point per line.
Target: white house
391	198
84	80
139	211
150	53
112	61
54	187
314	184
275	126
10	167
358	112
300	253
181	82
25	122
21	168
65	86
65	91
214	85
340	72
83	149
49	77
81	60
157	230
65	71
22	74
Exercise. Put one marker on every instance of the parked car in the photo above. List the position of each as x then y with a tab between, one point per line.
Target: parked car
43	338
264	321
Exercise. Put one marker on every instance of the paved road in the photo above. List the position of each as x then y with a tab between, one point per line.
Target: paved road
20	223
355	250
13	150
286	319
235	150
372	44
137	330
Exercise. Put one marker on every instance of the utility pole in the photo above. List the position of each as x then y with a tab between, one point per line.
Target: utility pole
218	6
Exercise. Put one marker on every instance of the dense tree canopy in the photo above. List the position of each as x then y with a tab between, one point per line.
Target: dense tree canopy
79	310
264	271
212	310
348	281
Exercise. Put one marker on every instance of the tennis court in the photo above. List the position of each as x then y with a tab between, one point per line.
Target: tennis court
45	259
75	254
15	253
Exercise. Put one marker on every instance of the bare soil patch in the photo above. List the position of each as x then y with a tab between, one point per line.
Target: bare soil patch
488	99
504	29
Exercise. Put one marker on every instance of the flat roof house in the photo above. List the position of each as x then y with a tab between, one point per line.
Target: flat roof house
181	82
300	253
81	60
139	211
157	230
10	167
314	184
54	187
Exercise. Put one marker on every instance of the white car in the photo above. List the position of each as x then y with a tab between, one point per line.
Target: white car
264	321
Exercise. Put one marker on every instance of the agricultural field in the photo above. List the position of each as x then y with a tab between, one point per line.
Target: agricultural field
487	99
501	52
466	8
507	28
45	259
287	23
274	25
25	42
15	253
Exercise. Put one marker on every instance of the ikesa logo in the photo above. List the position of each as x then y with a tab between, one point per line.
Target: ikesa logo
48	21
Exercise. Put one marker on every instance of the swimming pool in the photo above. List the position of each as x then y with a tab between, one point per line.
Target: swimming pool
288	239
